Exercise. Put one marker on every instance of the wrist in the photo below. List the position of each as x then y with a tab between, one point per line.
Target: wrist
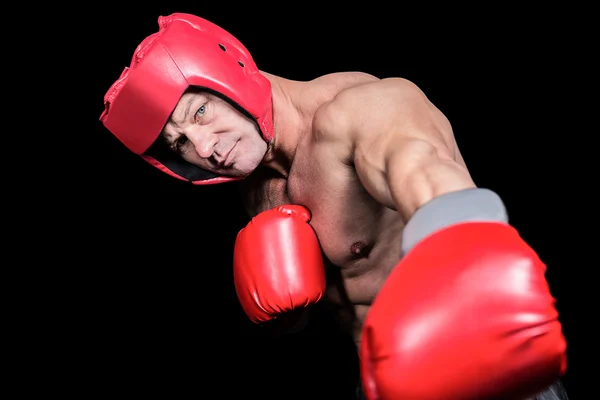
468	205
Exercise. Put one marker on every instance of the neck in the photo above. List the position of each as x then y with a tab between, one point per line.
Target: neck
290	122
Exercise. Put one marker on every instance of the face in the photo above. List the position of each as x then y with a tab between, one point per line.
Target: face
209	133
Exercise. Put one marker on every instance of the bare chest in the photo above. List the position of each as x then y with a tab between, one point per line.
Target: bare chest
360	238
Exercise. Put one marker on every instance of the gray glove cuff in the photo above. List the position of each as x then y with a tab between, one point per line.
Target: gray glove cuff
452	208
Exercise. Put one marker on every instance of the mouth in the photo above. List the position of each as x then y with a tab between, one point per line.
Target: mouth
226	160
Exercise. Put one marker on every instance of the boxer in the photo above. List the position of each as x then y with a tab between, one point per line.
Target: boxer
357	175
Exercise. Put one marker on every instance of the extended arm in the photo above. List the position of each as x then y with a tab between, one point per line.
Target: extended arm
401	145
467	309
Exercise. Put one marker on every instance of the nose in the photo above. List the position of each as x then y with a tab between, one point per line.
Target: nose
204	142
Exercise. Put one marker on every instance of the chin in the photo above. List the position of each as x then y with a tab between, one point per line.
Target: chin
235	173
244	173
246	168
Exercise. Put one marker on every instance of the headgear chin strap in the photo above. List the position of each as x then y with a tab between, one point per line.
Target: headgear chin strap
186	51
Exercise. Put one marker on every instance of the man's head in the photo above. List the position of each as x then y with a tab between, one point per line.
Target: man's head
191	59
209	132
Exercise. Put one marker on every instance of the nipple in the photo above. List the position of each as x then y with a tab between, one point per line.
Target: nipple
358	248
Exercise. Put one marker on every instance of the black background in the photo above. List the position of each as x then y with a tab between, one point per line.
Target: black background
155	289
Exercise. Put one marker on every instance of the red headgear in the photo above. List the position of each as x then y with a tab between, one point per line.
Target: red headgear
186	51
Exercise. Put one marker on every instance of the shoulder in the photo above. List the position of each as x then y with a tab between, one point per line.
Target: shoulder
350	106
344	80
345	105
376	90
347	118
342	87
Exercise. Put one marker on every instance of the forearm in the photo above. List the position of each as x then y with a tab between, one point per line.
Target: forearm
419	173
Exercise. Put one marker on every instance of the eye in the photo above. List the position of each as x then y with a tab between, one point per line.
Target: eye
181	143
201	111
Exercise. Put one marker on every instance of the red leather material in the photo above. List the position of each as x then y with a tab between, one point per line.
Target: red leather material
186	51
278	265
467	314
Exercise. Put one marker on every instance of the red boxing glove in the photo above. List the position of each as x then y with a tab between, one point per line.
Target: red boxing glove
277	263
467	314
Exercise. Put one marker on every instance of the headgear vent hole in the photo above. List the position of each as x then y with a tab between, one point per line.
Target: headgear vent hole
222	47
241	64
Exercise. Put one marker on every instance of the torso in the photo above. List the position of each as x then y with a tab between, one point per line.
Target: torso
360	238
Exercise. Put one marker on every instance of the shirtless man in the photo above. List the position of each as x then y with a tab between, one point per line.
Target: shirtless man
359	176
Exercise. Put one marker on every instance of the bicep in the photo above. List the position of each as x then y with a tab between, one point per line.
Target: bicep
396	128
